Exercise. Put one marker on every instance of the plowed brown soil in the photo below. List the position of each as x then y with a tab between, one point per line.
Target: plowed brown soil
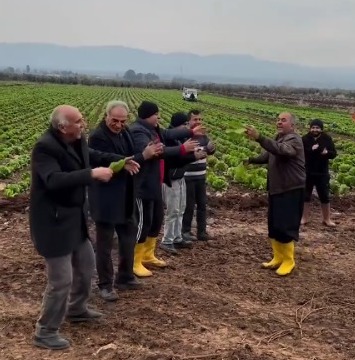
212	302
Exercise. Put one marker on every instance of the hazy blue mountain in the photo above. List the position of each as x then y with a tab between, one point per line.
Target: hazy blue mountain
216	68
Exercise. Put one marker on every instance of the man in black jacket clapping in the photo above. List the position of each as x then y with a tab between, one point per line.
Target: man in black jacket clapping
319	149
150	178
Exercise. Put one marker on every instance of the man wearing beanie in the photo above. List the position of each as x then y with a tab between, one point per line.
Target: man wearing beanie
319	149
146	130
174	190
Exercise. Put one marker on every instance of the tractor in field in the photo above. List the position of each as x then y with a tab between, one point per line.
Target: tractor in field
189	94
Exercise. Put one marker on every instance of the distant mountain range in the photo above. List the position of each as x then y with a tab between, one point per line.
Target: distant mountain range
214	68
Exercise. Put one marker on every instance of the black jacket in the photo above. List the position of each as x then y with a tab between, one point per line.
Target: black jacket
316	163
58	208
149	176
113	202
175	167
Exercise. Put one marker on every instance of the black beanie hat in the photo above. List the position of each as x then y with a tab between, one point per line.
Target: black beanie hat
177	119
317	122
146	109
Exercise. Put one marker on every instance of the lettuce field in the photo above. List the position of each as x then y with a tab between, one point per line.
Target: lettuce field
214	301
25	109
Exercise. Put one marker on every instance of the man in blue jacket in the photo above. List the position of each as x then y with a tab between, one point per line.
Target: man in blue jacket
150	179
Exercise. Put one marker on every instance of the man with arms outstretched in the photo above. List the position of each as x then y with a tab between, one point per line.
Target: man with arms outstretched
284	157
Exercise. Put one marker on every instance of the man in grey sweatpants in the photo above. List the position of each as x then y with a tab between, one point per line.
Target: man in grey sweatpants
174	189
60	169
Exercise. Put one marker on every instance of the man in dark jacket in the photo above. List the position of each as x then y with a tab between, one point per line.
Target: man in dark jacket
318	148
60	169
286	182
113	204
195	177
174	190
149	181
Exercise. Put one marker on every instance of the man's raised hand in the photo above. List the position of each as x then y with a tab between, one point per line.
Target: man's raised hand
190	145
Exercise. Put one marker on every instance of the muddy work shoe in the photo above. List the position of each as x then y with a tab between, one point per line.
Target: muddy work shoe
132	284
187	236
88	315
54	342
169	248
203	236
183	244
108	295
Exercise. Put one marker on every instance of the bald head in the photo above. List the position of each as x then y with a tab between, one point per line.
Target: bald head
291	117
286	122
68	121
62	114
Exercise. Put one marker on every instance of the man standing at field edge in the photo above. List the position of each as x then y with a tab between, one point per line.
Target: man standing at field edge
286	182
319	149
60	170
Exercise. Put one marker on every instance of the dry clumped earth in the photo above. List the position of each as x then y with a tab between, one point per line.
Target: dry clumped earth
212	302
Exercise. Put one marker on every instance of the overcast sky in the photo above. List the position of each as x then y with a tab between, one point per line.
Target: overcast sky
312	32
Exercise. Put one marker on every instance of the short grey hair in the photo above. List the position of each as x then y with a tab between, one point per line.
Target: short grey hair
58	119
293	118
116	103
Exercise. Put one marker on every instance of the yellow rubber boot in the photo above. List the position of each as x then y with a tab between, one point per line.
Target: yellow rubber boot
149	255
138	268
288	262
277	259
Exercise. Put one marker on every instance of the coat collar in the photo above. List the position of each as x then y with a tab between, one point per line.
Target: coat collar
67	146
155	131
118	146
147	125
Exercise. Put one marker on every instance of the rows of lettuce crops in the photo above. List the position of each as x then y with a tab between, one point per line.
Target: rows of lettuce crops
25	109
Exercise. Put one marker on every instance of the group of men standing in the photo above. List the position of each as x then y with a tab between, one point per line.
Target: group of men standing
162	168
129	202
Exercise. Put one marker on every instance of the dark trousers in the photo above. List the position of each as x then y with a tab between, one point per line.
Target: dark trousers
151	216
104	240
321	183
284	215
195	195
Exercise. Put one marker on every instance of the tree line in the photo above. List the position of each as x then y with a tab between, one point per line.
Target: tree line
331	98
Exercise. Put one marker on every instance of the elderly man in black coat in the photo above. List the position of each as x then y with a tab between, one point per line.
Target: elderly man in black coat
113	204
60	169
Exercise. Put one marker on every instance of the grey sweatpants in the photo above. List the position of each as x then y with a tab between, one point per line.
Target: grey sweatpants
175	201
68	288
